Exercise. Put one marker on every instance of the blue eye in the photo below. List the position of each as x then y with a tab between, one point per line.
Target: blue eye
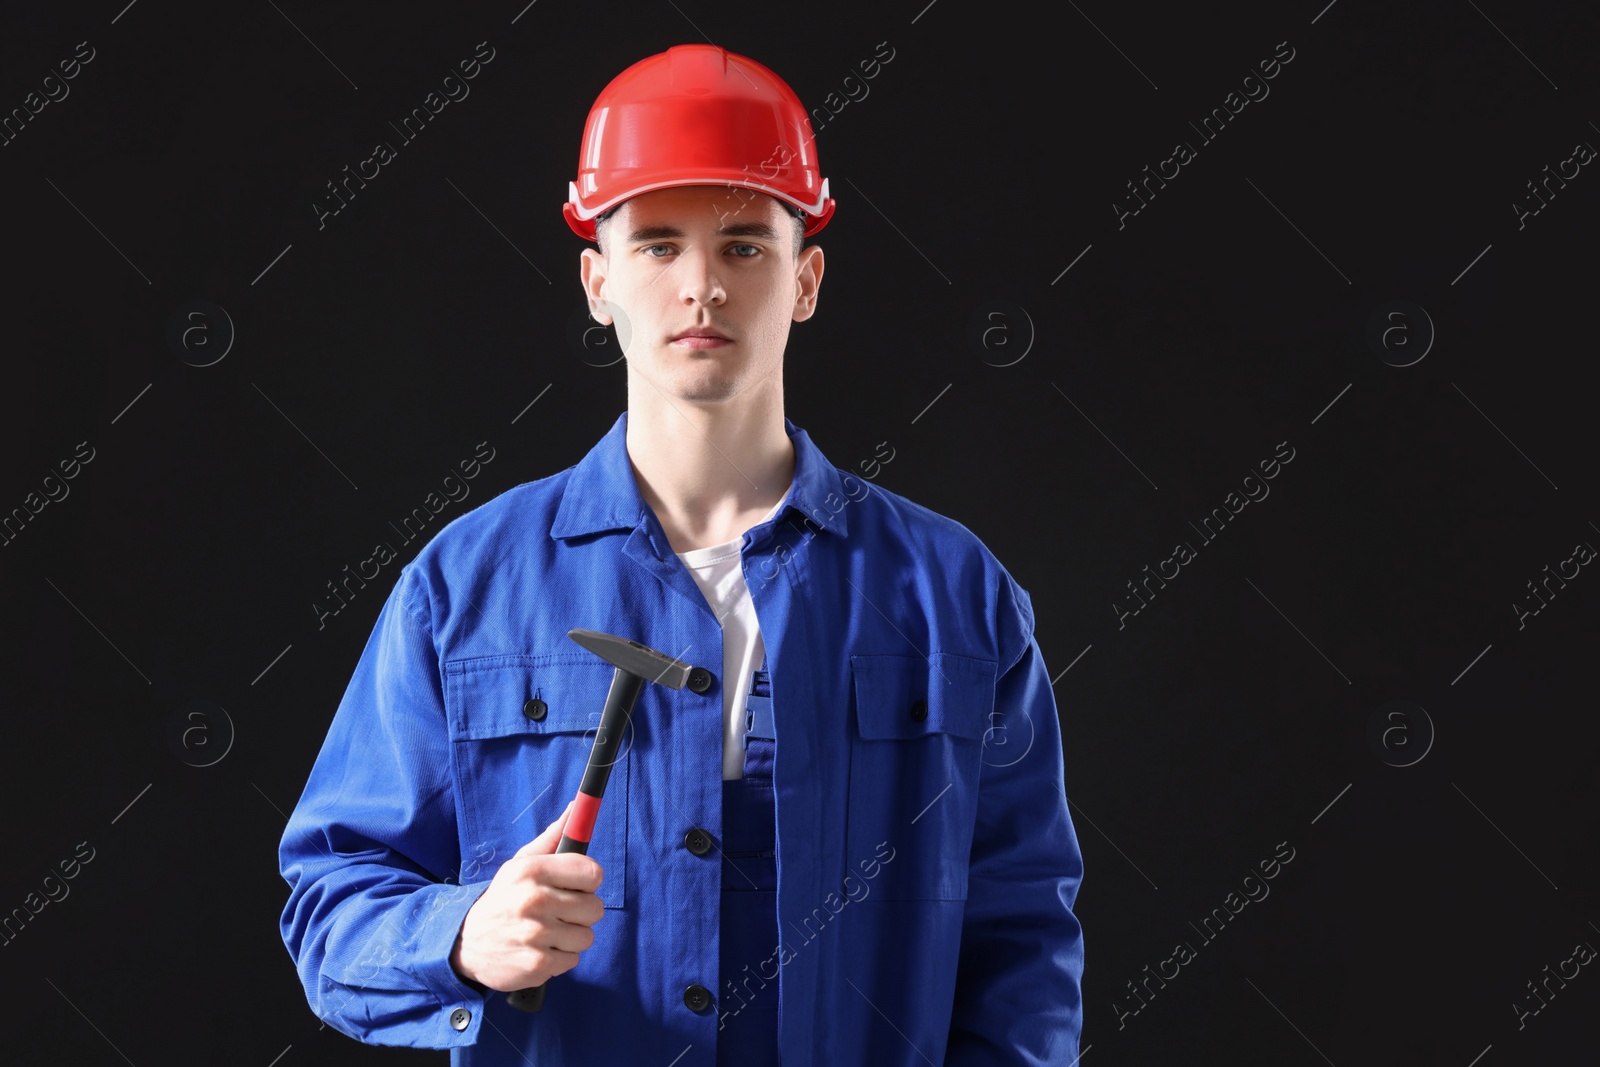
754	251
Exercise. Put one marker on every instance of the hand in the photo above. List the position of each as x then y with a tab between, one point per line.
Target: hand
535	917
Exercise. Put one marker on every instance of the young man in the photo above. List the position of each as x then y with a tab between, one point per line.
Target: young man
819	850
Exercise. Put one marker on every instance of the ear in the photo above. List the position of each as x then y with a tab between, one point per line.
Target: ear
807	280
592	268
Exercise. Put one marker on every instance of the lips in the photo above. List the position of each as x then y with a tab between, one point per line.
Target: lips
701	338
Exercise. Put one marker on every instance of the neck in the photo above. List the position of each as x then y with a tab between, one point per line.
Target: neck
709	471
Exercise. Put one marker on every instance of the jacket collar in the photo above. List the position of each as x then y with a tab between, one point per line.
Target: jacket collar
603	494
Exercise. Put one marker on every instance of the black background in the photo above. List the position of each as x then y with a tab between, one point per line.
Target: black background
1181	348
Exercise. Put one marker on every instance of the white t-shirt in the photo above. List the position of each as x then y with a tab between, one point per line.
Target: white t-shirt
716	571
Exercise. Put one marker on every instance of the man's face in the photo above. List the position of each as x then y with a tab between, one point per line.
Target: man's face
703	257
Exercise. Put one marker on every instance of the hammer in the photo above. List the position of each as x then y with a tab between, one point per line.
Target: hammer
635	665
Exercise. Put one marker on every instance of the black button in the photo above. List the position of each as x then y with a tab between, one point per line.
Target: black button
534	709
697	841
460	1018
919	710
697	997
700	679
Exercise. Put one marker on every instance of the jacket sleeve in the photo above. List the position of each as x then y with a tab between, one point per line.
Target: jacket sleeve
1018	997
371	850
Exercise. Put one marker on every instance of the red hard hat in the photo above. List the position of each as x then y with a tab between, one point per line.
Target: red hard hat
696	114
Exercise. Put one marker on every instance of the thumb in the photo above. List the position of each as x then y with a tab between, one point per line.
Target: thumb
545	844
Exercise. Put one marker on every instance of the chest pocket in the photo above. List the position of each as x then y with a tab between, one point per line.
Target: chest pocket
522	728
914	766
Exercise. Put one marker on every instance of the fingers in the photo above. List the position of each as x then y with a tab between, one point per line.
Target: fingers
564	937
552	904
553	962
569	870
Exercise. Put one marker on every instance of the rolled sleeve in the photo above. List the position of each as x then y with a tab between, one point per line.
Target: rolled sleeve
1018	998
372	847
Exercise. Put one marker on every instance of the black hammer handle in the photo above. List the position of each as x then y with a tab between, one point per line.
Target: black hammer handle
575	837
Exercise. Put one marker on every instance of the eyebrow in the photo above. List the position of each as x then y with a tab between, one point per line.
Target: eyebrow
737	229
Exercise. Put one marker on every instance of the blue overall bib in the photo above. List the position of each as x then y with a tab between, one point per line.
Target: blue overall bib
747	993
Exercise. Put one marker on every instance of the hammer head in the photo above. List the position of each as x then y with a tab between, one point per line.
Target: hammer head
636	659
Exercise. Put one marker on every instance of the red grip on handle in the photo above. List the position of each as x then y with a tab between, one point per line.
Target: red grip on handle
580	824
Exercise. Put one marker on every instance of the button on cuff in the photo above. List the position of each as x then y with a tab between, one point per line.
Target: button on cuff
439	911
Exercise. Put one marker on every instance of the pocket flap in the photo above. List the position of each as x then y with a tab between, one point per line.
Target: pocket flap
513	773
902	697
485	697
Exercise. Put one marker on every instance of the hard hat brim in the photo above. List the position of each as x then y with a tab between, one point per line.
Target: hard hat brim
581	217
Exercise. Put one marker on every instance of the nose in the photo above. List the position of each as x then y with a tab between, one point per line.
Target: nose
698	280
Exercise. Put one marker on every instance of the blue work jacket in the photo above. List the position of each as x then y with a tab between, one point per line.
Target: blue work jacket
927	861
